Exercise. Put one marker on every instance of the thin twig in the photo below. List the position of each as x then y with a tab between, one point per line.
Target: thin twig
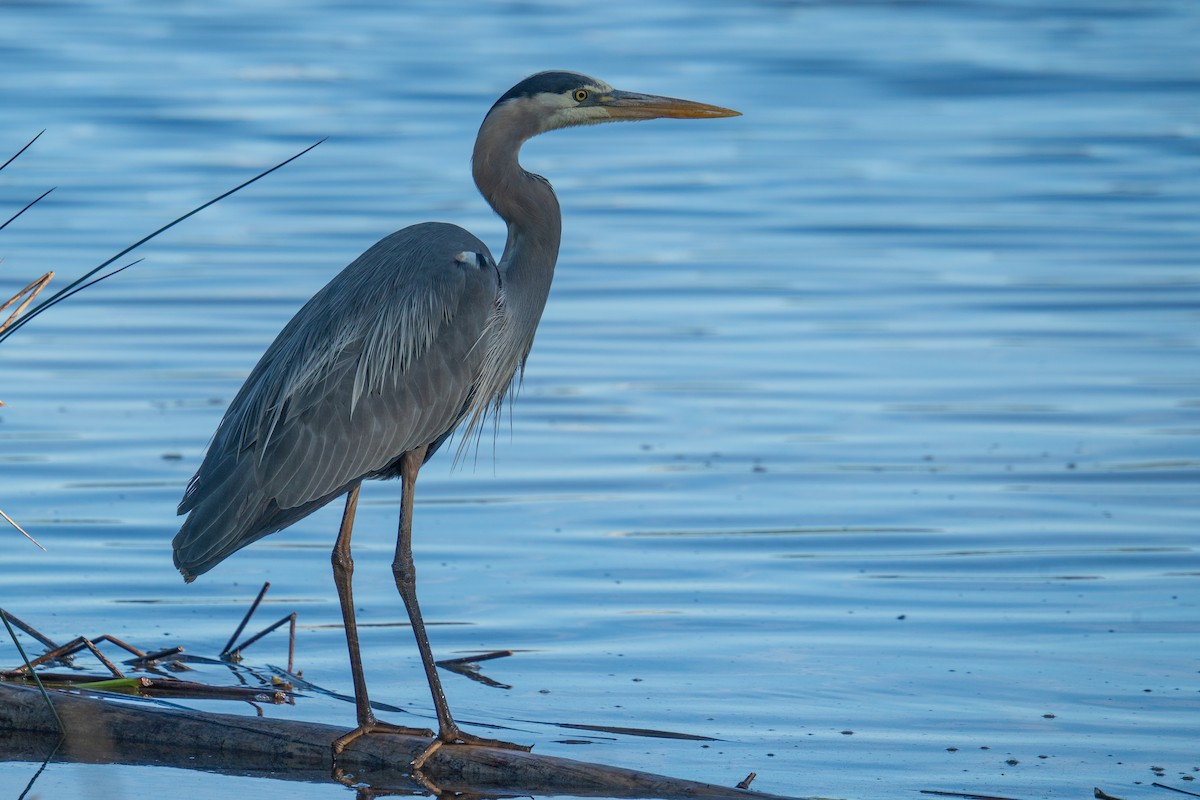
150	658
32	290
152	687
100	656
228	648
1173	789
35	287
189	689
25	626
292	642
236	652
105	637
13	522
69	289
74	646
63	294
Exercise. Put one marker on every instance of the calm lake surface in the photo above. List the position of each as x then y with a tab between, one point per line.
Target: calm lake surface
860	435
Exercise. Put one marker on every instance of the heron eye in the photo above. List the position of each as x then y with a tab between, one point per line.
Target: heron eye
581	95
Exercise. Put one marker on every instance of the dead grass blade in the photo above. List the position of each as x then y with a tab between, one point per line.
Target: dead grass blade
29	292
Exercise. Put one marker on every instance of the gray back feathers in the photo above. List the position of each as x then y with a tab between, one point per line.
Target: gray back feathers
390	355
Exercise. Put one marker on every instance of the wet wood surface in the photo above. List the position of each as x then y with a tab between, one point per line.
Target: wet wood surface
103	729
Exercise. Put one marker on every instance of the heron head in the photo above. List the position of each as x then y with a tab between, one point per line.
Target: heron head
552	100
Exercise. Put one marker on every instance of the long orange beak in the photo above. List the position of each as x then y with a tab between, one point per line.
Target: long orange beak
631	105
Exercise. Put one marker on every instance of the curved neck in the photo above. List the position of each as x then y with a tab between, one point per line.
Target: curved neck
527	203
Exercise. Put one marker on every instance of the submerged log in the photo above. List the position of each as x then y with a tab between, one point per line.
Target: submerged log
103	729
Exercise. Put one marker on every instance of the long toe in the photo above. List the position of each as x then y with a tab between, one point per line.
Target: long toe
479	741
457	737
375	726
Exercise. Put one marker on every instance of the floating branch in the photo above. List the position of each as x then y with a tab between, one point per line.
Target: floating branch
70	648
271	689
148	659
153	687
97	730
147	733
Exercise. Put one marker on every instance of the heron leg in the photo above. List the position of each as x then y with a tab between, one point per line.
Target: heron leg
343	572
406	583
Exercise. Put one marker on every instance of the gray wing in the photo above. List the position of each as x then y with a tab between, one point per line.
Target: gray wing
383	359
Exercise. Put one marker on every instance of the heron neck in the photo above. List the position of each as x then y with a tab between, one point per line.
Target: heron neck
527	203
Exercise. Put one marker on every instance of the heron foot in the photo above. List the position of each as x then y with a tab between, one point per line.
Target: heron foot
375	726
454	736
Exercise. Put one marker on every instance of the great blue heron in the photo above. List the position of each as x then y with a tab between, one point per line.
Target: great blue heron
422	332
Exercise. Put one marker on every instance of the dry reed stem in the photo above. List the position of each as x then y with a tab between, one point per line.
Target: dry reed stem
271	691
13	522
32	290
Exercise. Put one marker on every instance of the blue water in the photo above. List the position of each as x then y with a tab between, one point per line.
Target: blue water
860	434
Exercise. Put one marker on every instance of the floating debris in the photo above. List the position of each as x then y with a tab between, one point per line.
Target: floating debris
156	664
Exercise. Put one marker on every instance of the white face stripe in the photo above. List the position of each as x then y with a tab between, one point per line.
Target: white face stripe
549	111
563	110
567	99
